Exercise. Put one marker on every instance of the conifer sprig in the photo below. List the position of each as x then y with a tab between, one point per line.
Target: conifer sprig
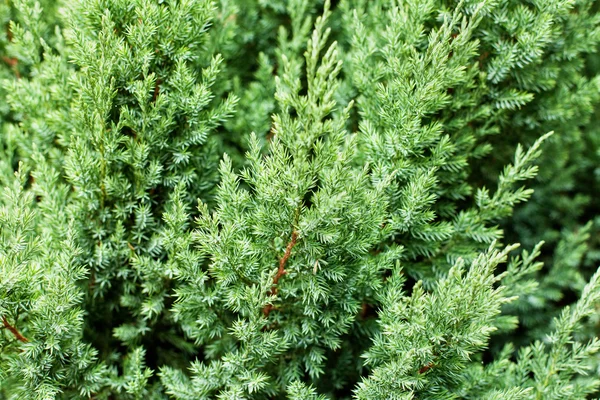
249	199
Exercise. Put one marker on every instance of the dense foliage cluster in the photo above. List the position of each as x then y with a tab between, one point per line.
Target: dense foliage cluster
301	199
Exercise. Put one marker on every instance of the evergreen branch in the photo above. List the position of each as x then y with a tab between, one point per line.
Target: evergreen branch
156	90
14	331
281	270
119	112
12	62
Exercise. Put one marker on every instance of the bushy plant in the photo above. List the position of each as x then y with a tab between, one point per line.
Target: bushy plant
249	199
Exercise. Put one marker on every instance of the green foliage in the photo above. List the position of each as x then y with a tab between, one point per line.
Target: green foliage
43	354
248	199
427	339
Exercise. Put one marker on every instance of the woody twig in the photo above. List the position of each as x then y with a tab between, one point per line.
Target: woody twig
281	270
14	331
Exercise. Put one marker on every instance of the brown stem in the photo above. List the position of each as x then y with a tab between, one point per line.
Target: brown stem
10	61
426	368
281	271
156	89
364	310
271	134
13	63
92	281
14	331
9	34
483	56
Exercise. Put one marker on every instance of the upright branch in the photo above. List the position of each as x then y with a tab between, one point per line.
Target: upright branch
11	61
281	270
14	331
156	89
